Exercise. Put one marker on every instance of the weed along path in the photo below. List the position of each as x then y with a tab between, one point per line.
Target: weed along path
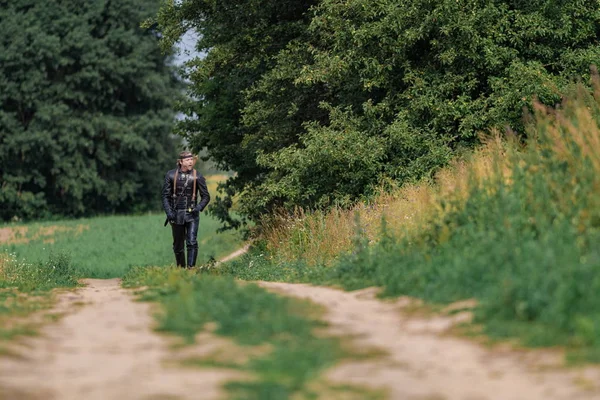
103	348
424	362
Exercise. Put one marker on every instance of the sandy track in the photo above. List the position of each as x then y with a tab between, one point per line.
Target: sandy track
105	349
424	363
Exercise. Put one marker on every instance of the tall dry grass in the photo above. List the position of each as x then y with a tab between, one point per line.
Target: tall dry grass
4	260
321	237
213	181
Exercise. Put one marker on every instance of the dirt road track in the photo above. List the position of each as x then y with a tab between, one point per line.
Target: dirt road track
425	364
105	348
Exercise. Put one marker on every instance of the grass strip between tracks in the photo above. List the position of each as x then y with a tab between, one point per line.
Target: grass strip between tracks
296	352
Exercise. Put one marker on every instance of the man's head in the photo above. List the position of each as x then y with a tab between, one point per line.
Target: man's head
186	160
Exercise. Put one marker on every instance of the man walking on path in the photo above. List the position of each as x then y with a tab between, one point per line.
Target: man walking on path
179	196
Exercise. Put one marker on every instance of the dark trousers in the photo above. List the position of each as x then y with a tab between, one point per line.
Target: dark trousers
185	233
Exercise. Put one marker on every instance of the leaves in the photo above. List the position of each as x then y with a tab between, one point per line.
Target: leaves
284	83
85	108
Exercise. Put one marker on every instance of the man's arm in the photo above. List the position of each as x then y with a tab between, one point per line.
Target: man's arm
204	195
167	192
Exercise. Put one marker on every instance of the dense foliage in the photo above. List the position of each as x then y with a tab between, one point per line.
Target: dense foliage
238	42
85	108
319	103
517	231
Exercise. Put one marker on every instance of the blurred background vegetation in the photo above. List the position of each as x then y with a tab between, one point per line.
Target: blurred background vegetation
86	109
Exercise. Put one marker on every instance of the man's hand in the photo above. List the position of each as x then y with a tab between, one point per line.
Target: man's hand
171	216
197	209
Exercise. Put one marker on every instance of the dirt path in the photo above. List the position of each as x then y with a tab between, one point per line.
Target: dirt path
424	363
235	254
104	349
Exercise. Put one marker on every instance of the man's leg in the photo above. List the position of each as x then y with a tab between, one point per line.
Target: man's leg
191	242
178	241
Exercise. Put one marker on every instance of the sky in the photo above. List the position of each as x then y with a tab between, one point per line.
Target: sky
186	47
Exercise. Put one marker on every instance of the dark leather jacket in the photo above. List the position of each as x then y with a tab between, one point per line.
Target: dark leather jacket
184	194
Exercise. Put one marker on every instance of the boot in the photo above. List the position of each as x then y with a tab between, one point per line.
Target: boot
180	259
191	257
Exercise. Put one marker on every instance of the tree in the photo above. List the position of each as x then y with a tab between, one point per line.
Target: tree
240	40
365	92
86	108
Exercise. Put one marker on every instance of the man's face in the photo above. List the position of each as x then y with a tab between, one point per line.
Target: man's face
187	163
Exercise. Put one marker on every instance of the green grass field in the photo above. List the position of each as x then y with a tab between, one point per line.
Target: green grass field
38	257
107	247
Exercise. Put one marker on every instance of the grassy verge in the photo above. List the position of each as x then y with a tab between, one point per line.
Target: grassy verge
26	288
106	247
252	317
515	227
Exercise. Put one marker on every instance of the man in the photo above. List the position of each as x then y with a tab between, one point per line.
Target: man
180	203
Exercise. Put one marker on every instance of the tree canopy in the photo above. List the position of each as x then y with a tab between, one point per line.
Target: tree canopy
318	103
86	108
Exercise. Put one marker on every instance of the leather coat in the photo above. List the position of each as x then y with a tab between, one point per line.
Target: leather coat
181	206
